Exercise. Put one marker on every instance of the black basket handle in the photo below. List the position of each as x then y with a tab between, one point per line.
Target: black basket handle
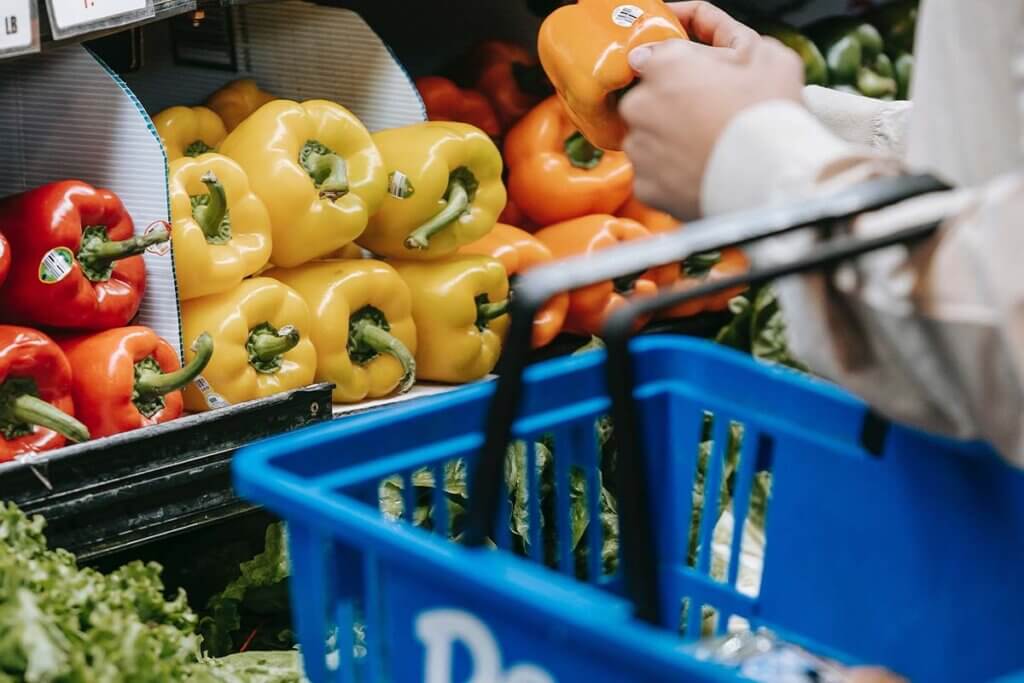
538	286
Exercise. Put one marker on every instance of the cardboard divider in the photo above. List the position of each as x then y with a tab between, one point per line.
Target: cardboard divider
293	49
65	115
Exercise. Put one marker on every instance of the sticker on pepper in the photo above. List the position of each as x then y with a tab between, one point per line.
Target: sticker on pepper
213	399
56	265
626	15
399	185
161	248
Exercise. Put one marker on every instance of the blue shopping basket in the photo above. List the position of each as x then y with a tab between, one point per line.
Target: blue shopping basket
884	545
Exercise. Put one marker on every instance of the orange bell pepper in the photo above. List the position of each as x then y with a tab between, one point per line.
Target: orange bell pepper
656	221
554	174
585	48
446	101
704	268
590	307
510	77
520	251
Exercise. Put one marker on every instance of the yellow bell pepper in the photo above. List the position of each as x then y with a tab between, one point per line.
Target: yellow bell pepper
221	229
237	100
444	191
317	170
189	131
260	331
460	307
362	329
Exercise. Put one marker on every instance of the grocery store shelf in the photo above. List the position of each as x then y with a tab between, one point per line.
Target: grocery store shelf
111	494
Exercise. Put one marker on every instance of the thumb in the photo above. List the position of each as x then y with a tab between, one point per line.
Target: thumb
645	57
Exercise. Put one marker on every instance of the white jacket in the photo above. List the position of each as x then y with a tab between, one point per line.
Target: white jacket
933	336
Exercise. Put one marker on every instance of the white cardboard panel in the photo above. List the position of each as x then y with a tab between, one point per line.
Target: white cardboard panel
64	115
346	62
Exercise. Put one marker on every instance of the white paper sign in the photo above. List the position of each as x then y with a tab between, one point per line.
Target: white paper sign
68	17
19	31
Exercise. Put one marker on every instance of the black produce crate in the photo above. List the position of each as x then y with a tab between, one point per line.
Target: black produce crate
110	495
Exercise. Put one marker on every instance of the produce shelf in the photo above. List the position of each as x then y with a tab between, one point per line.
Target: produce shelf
123	491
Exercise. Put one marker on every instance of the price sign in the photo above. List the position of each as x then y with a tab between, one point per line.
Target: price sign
71	17
19	28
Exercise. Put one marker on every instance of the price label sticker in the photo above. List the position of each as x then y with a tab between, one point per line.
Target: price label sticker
71	17
19	27
626	15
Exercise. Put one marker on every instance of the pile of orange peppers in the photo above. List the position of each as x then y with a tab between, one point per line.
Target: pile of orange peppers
570	187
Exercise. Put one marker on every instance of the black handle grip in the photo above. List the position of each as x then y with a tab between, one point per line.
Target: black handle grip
538	286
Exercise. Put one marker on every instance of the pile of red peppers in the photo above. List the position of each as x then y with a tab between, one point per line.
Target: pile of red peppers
72	278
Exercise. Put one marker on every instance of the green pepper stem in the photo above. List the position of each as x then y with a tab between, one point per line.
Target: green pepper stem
98	254
28	409
487	311
458	204
210	214
581	153
328	170
365	333
150	384
268	345
197	148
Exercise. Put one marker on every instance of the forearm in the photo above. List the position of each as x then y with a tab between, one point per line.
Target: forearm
934	336
864	121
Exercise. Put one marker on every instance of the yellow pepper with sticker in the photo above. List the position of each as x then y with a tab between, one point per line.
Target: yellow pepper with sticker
444	191
237	100
220	228
460	306
261	343
189	131
318	172
362	326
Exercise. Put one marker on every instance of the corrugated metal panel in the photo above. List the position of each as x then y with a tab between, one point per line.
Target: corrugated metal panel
64	116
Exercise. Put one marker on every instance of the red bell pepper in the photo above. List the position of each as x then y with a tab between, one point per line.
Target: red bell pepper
5	259
78	265
445	101
35	394
129	378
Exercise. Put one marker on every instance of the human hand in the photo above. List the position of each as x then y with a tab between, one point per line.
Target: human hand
689	92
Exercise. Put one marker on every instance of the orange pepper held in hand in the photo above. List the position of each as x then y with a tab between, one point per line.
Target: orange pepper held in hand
446	101
554	174
585	49
509	76
590	307
519	251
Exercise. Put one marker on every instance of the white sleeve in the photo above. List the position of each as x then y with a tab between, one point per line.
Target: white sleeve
931	336
864	121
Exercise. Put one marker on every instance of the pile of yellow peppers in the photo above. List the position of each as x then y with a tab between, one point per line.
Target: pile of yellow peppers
274	204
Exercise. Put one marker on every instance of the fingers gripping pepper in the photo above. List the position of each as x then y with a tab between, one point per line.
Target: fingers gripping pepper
5	259
519	251
460	307
585	49
261	330
362	326
554	174
35	394
446	101
317	171
590	307
444	191
510	77
221	229
79	265
237	100
189	131
128	378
